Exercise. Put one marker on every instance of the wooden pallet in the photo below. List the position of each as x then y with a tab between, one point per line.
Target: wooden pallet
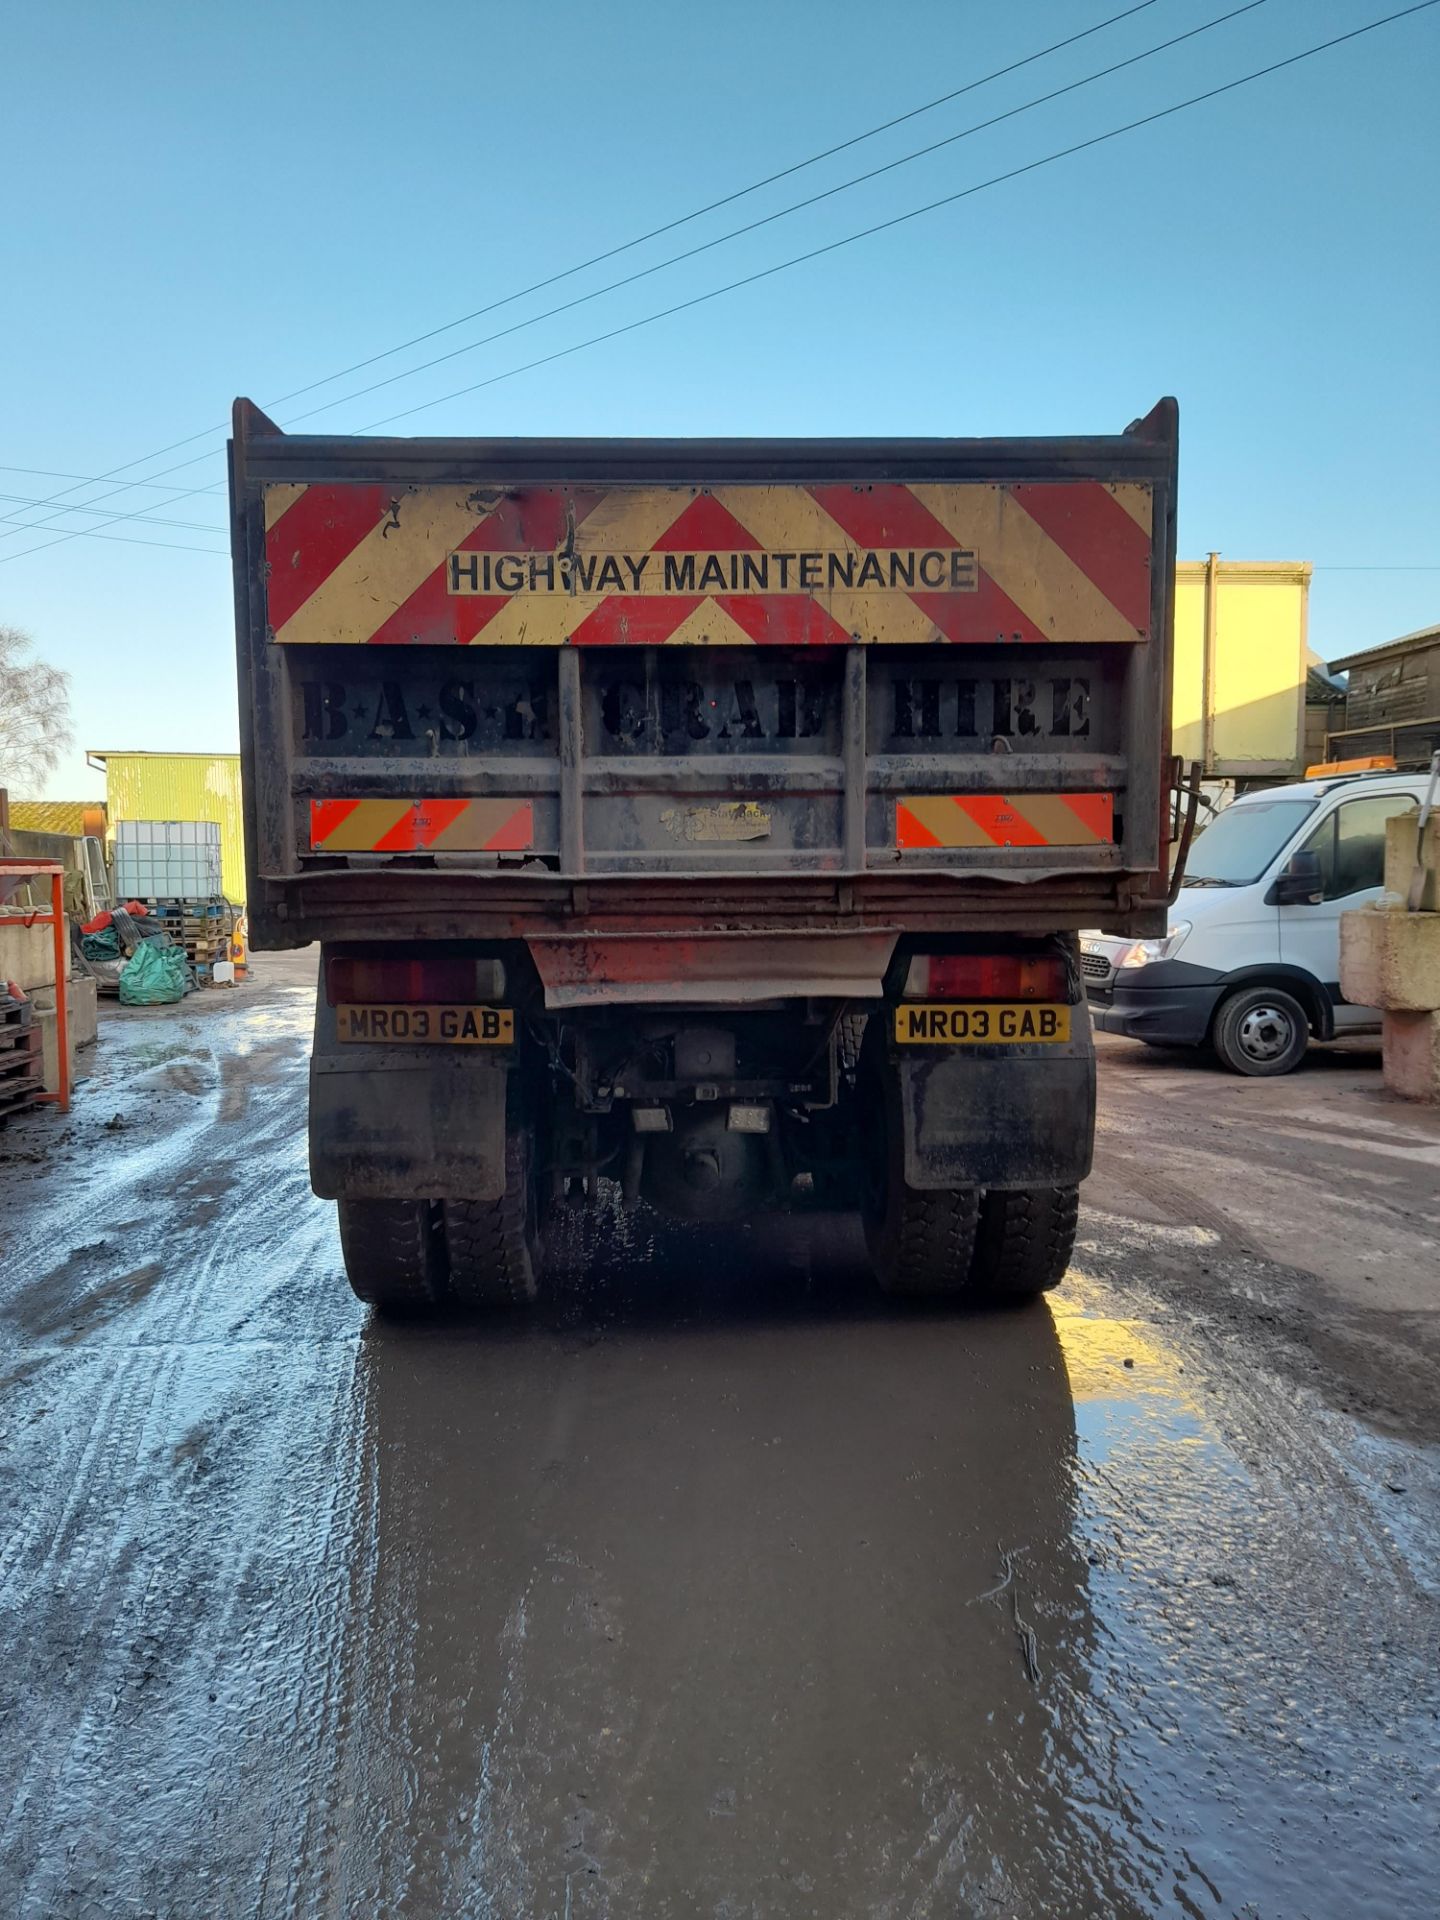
190	912
21	1069
18	1096
16	1024
18	1061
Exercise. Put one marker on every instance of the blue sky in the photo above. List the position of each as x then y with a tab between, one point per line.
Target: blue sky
223	199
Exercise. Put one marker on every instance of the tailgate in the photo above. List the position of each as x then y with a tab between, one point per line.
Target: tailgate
683	659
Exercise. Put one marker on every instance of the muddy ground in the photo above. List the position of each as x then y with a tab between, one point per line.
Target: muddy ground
718	1586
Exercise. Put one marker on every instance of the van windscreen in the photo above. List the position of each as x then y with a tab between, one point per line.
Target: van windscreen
1237	847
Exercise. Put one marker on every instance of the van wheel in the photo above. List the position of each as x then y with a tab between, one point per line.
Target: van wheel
1261	1031
394	1256
494	1244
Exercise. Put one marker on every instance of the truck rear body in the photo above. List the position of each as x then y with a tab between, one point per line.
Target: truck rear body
737	726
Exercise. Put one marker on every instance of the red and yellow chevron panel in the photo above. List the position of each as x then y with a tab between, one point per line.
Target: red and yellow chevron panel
974	564
421	826
1005	820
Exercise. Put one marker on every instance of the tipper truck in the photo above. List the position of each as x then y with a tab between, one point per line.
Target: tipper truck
705	824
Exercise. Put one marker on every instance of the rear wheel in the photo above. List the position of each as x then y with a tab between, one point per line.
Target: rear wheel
852	1037
1261	1031
1024	1241
920	1243
394	1256
494	1244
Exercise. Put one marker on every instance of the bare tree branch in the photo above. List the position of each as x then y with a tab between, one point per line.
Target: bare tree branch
34	714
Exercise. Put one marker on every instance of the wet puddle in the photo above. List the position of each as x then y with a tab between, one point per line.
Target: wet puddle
715	1586
1262	1579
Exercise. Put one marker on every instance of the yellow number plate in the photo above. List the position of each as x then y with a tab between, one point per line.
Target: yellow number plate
440	1026
962	1023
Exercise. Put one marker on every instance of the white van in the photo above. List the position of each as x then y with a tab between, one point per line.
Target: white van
1251	961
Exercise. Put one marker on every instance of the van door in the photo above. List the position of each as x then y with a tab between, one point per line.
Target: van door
1350	841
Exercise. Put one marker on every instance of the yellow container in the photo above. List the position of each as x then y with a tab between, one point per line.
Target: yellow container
181	786
1241	658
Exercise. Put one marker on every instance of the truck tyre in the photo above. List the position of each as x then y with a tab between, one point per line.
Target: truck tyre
852	1038
920	1243
493	1244
1261	1031
1024	1241
394	1255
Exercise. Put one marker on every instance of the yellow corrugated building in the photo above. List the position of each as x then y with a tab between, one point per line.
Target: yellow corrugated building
1241	661
181	786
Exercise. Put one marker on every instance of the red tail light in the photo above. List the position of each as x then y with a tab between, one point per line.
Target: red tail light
367	978
988	976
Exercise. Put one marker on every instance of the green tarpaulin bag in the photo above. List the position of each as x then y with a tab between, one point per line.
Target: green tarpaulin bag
154	975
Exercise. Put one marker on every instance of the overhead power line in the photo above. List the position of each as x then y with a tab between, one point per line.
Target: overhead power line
735	233
765	273
782	213
537	286
150	519
126	539
728	199
88	479
844	186
915	213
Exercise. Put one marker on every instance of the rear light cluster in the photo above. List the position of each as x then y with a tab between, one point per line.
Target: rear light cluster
988	976
365	979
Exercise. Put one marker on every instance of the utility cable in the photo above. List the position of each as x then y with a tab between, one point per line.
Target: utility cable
1248	6
611	253
126	539
88	479
915	213
149	519
782	213
765	273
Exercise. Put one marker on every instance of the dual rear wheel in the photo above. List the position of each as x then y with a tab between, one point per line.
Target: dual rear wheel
960	1243
964	1244
408	1258
411	1258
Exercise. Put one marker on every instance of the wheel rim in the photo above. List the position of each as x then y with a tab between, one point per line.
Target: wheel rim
1265	1034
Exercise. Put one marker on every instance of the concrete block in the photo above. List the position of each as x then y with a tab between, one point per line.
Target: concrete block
27	953
1401	851
1412	1055
1390	958
82	1008
82	1025
50	1053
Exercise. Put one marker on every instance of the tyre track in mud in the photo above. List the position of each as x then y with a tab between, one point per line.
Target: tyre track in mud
1323	1197
674	1597
158	1543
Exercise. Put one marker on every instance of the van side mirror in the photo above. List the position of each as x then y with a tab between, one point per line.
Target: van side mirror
1300	882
